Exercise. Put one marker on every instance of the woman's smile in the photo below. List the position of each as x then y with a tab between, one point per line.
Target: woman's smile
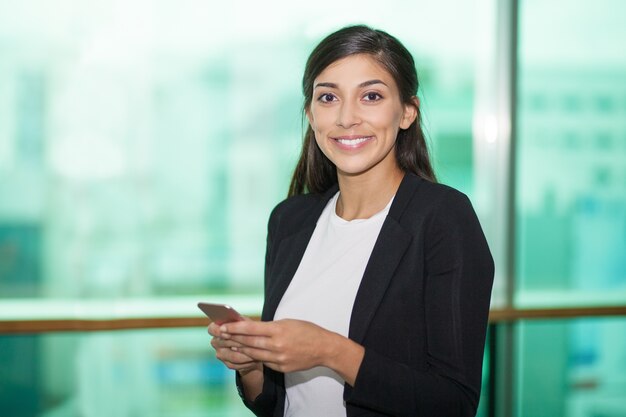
352	142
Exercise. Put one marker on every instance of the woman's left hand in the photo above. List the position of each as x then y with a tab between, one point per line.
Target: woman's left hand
284	345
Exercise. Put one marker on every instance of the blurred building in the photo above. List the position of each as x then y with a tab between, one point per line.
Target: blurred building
143	145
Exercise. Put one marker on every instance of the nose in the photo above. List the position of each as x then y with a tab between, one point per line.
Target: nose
347	115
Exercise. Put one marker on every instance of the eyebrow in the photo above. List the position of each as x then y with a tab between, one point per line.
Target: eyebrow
363	84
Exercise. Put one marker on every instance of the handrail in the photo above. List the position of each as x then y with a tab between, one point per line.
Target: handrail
505	315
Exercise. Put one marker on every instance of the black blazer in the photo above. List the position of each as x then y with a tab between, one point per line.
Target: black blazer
420	311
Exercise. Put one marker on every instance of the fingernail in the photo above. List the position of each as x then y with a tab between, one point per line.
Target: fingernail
223	329
234	349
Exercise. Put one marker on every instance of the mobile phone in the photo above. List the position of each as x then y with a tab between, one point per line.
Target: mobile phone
220	313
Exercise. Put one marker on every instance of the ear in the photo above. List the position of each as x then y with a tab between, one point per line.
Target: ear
410	113
309	116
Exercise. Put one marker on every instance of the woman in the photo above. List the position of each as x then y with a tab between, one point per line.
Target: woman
377	279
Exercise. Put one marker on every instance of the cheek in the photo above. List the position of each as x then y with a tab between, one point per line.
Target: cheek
320	120
322	144
317	133
388	119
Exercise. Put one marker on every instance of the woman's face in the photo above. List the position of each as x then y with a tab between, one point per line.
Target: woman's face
356	114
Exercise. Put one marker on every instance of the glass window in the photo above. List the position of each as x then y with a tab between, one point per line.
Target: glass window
161	373
571	368
143	145
571	154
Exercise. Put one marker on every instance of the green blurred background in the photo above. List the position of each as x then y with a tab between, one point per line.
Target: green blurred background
143	145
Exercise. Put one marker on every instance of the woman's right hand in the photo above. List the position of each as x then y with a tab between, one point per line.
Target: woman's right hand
230	357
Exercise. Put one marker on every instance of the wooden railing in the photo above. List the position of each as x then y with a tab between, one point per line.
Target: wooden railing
90	325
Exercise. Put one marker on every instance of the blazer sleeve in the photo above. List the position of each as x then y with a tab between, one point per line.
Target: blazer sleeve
264	405
458	279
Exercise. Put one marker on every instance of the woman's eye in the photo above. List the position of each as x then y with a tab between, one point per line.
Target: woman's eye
326	98
372	97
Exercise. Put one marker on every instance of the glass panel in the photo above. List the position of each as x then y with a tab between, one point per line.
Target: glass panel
131	373
573	368
143	145
146	373
485	394
571	190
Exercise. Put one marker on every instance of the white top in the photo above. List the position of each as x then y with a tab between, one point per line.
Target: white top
323	291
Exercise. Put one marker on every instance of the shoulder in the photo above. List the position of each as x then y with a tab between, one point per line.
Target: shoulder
295	203
437	193
296	206
297	212
450	217
429	199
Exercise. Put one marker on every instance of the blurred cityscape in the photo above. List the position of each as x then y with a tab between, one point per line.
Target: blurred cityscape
141	152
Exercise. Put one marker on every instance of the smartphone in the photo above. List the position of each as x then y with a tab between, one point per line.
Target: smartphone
220	313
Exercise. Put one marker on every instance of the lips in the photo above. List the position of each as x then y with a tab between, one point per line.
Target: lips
352	142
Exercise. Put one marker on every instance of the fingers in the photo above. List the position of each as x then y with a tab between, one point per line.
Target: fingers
228	352
238	363
214	330
283	345
231	356
218	343
277	361
259	342
261	355
219	337
249	327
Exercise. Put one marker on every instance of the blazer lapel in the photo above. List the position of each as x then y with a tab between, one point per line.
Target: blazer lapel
290	251
389	248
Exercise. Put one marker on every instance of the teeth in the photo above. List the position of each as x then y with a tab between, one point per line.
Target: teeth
355	141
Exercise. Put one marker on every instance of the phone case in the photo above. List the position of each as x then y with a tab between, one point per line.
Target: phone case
220	313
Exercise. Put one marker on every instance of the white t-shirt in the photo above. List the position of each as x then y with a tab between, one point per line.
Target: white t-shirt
323	291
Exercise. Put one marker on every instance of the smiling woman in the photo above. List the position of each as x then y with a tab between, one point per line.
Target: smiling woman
141	152
370	263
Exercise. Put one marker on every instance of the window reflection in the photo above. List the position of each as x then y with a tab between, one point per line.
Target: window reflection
579	373
136	373
147	143
571	191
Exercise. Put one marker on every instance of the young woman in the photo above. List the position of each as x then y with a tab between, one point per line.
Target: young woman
377	278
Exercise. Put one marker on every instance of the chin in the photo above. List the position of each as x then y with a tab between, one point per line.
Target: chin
352	170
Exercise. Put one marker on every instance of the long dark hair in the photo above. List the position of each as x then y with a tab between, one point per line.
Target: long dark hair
315	173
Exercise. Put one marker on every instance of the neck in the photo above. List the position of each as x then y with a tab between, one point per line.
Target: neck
363	196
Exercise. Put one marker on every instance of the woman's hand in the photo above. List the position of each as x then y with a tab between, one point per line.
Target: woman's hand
250	370
283	345
295	345
226	351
